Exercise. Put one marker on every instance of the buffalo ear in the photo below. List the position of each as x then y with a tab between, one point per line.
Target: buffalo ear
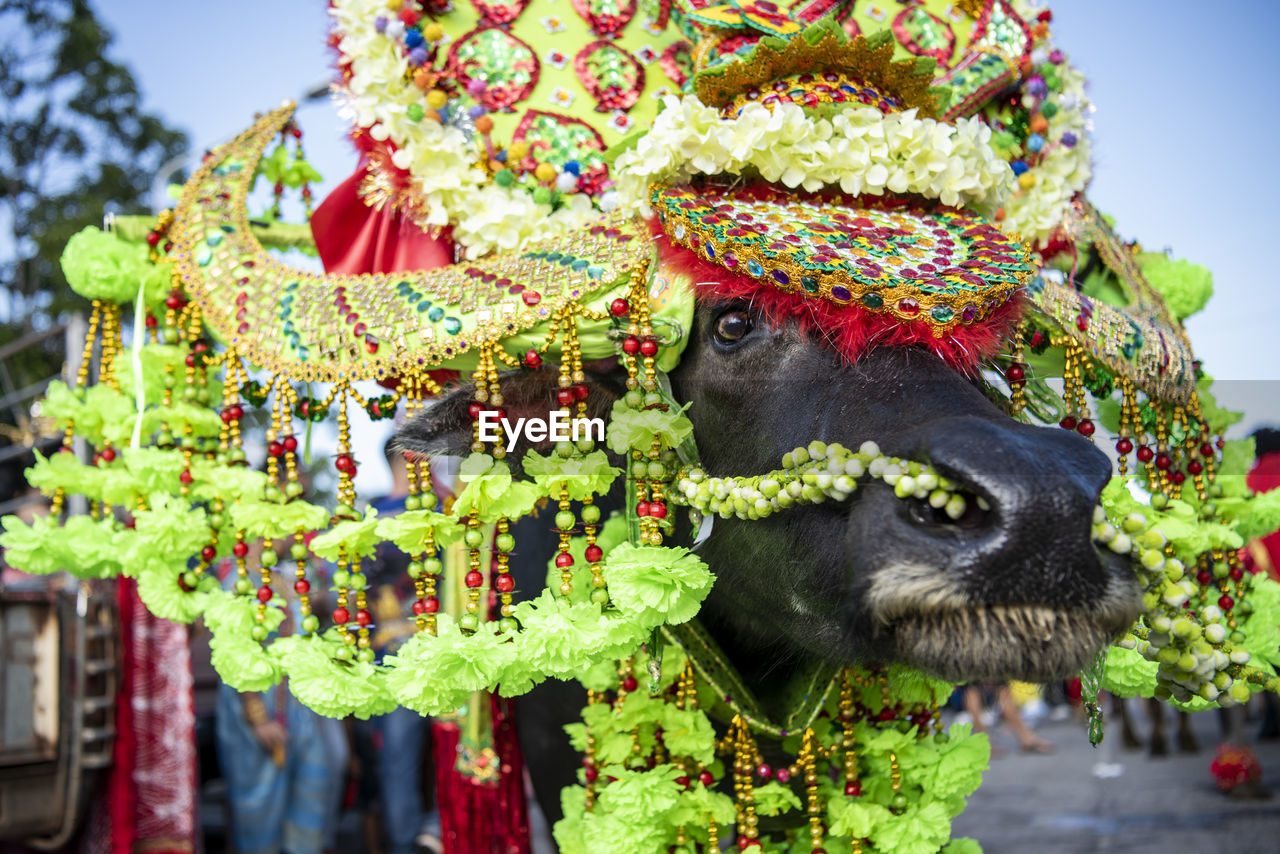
445	426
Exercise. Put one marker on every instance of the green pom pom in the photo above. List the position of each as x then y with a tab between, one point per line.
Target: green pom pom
657	585
1186	287
102	266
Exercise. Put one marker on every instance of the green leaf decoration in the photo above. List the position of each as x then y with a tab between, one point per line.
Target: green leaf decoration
636	428
357	537
490	492
101	266
329	686
855	818
1128	674
656	585
64	470
409	530
583	477
274	521
775	799
212	480
159	590
433	674
920	829
1186	287
962	845
241	661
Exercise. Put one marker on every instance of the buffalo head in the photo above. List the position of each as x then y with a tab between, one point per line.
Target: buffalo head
1013	588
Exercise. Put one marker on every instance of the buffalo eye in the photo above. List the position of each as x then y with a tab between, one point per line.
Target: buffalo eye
732	326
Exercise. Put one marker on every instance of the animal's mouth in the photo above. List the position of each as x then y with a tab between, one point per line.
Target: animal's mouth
959	640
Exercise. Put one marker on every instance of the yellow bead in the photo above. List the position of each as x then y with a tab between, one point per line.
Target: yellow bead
1026	180
545	172
436	99
516	151
433	32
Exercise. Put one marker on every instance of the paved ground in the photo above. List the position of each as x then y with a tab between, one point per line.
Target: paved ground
1108	799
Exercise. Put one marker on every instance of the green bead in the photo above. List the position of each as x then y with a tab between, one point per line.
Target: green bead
310	623
169	335
564	450
358	581
565	520
189	393
190	580
269	558
657	470
366	655
652	399
1159	501
258	633
415	569
635	399
298	551
590	514
600	597
243	586
427	500
508	624
468	622
202	395
341	578
343	653
432	566
505	543
293	489
412	503
639	469
899	802
342	509
217	520
585	446
473	538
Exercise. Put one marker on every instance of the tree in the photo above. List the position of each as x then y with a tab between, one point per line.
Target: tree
75	142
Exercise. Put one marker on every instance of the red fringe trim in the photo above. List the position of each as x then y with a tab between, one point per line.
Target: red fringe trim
851	329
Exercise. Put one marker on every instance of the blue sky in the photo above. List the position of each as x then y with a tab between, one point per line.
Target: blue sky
1185	126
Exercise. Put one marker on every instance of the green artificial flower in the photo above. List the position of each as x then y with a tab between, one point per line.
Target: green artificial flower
160	590
354	538
101	266
170	530
328	685
210	480
920	829
774	799
490	492
656	585
273	521
242	662
1128	674
66	471
409	530
434	674
636	428
1186	287
582	477
855	818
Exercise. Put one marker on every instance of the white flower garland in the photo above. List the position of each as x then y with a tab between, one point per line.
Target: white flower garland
485	217
1036	213
860	150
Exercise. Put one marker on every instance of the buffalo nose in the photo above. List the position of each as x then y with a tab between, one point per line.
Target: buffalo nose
1029	505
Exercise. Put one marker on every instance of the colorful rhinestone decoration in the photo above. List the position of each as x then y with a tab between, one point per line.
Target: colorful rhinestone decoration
332	328
940	265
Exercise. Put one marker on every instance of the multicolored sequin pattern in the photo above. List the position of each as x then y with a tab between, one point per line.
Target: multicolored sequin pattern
810	90
314	327
940	265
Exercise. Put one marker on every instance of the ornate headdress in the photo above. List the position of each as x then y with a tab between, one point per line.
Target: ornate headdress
870	174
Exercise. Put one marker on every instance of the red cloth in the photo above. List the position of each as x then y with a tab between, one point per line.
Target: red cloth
353	238
151	792
1263	554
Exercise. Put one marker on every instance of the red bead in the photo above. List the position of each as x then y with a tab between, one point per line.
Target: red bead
648	347
1014	373
236	411
200	347
302	586
290	444
532	359
1124	446
594	553
682	781
1082	323
344	464
1037	338
657	510
419	607
619	307
563	560
564	396
887	714
1225	602
1195	467
275	449
1206	450
783	774
705	778
363	617
642	508
151	321
341	616
153	238
1068	423
591	774
108	454
630	684
853	789
190	360
185	477
1220	444
1145	454
1085	427
504	583
1235	573
474	579
173	302
1163	462
745	842
1178	477
240	549
764	771
208	553
431	605
531	298
474	408
581	391
1204	578
631	345
264	594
